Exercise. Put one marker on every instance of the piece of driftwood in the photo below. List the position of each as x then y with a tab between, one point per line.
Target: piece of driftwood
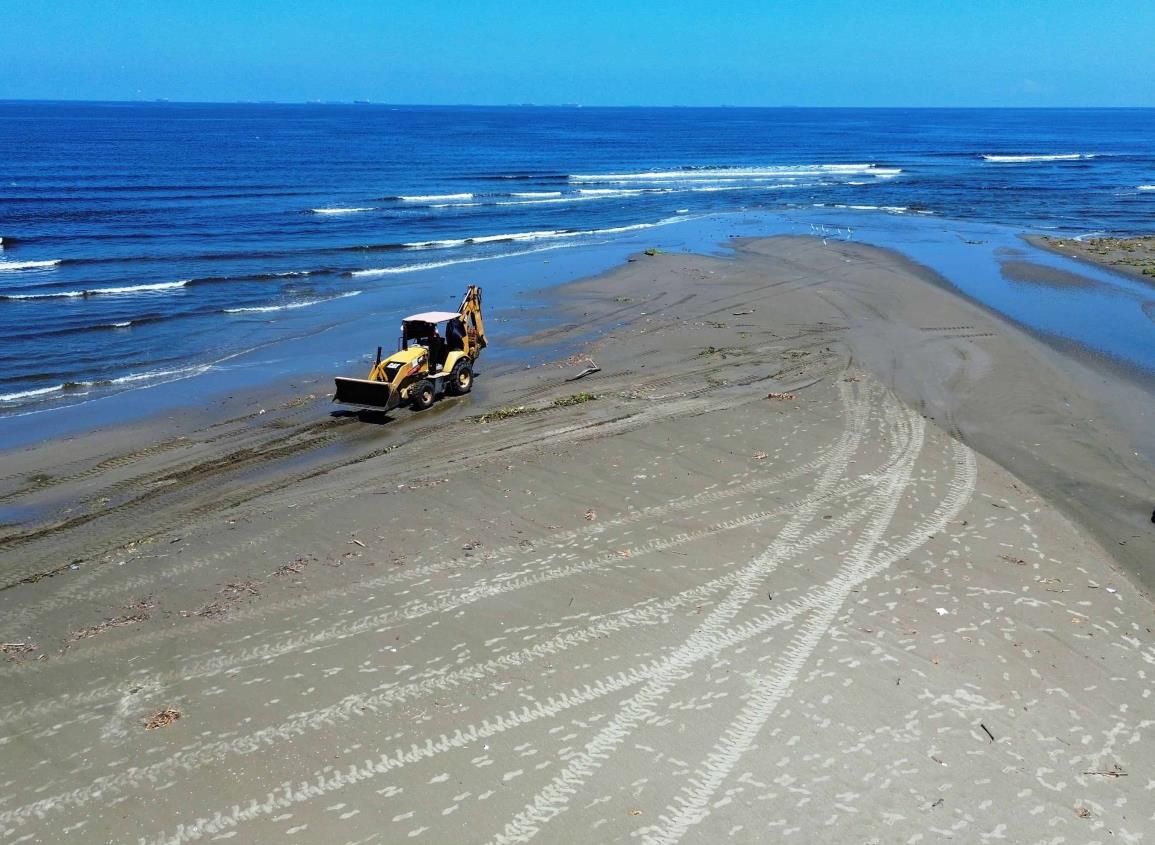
588	371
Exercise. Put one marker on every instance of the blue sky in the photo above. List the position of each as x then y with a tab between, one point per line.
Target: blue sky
674	52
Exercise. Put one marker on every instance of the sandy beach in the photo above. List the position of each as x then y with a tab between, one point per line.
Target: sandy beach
823	552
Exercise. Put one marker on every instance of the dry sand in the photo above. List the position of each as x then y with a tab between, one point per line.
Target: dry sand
669	609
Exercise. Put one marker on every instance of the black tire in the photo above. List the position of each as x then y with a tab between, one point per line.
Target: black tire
422	395
461	379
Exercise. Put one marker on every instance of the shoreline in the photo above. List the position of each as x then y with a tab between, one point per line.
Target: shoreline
952	248
1091	377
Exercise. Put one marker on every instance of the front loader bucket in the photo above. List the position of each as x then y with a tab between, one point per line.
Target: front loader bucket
365	393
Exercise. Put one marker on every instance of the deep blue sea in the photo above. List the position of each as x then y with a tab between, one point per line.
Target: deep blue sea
144	243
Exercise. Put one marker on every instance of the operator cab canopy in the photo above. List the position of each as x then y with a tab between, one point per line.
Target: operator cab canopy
422	328
432	317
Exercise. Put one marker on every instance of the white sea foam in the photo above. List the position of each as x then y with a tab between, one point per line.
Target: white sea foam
717	174
123	325
145	380
305	303
485	239
546	234
616	192
451	262
1025	159
159	286
341	210
119	291
592	194
567	198
26	265
1145	188
436	198
889	209
637	227
156	374
71	388
588	194
710	189
28	394
520	236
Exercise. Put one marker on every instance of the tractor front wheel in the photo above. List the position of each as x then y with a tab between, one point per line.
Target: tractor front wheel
461	378
422	396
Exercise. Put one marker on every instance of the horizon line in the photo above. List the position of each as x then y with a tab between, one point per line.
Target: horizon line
360	102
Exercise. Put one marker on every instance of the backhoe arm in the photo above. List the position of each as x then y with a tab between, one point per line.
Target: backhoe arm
471	317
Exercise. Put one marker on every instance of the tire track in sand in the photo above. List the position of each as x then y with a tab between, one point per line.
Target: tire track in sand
553	799
324	784
693	803
707	497
431	681
846	446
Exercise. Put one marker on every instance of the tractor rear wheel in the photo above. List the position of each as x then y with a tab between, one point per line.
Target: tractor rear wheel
461	378
422	395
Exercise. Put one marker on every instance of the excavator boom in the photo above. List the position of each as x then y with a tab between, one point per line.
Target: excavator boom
471	316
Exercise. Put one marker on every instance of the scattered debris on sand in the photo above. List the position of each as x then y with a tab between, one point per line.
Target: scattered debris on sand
294	568
115	622
588	371
13	650
1116	771
162	719
575	399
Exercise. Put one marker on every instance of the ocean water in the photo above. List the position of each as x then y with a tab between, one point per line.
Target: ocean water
147	243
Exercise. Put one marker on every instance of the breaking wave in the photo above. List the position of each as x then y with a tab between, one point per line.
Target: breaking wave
341	210
619	192
82	388
519	236
715	174
450	243
26	265
547	234
265	309
120	291
29	394
1026	159
434	198
451	262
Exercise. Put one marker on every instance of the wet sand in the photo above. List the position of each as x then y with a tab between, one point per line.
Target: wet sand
762	577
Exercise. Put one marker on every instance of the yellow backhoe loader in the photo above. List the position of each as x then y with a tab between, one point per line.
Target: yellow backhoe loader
435	355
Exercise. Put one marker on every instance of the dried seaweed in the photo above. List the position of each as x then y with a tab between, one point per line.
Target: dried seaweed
162	719
115	622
